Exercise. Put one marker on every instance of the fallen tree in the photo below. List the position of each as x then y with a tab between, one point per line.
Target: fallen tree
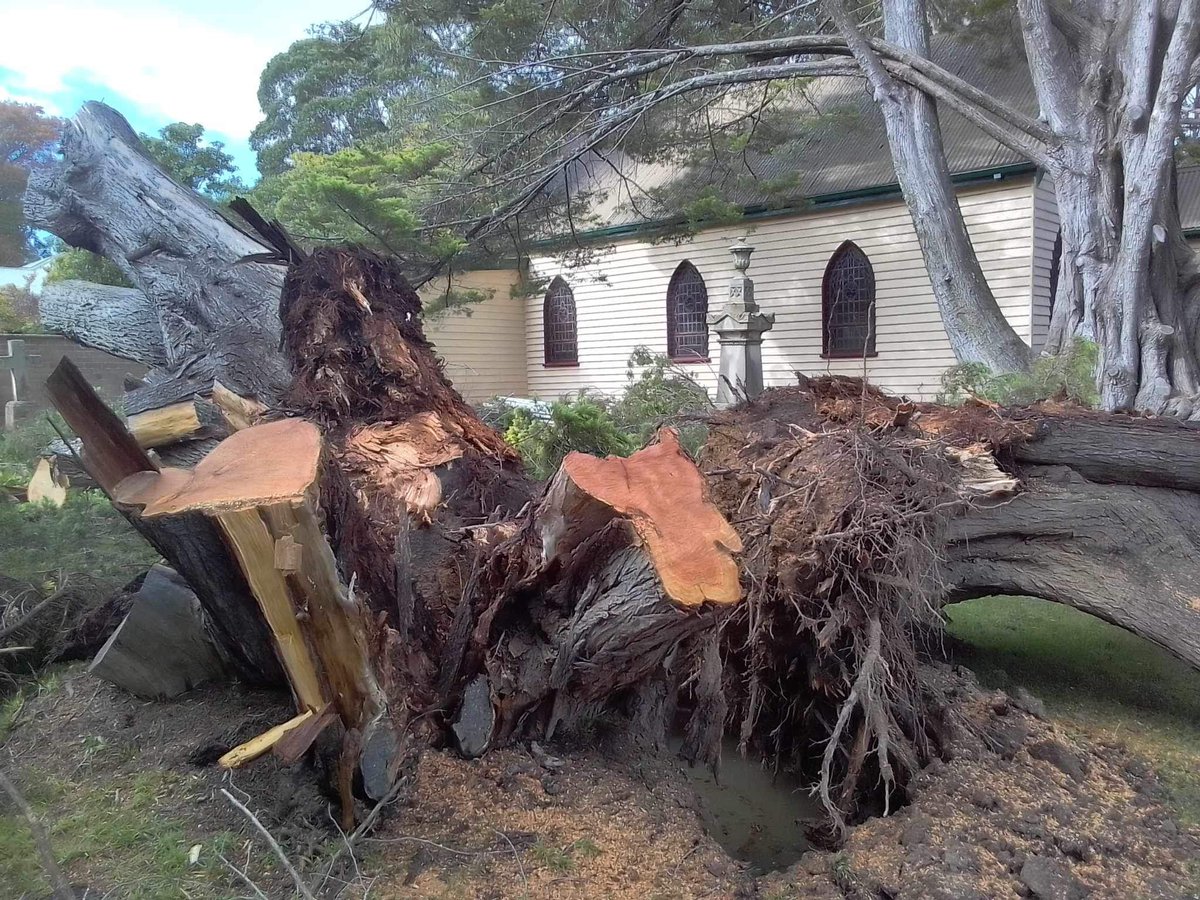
782	590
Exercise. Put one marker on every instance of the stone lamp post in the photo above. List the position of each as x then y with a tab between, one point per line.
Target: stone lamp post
740	326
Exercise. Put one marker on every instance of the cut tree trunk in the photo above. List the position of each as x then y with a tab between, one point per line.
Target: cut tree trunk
190	542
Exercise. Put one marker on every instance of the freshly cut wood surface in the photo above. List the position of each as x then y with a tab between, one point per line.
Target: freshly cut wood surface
253	467
263	743
663	495
166	425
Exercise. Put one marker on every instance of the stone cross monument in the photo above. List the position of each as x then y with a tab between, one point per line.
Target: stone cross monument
740	326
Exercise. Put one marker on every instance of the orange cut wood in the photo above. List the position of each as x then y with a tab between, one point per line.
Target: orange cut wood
257	466
663	495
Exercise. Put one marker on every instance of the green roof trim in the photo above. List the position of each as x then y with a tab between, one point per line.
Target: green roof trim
815	202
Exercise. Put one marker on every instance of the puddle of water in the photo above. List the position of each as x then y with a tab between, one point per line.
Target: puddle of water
757	817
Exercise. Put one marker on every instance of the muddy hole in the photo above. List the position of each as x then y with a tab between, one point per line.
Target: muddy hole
758	817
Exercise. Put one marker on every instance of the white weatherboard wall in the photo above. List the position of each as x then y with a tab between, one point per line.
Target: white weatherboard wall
1045	230
620	293
484	352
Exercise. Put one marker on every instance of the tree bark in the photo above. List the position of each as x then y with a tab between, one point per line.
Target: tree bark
1111	89
120	321
217	317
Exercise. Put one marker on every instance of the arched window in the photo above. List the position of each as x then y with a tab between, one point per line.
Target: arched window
687	315
848	305
560	339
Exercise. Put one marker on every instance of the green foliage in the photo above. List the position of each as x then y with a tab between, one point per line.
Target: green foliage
116	830
1068	376
660	393
584	424
362	195
86	535
202	165
18	311
71	264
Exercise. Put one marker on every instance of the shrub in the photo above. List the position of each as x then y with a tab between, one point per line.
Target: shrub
583	423
1069	376
18	311
661	393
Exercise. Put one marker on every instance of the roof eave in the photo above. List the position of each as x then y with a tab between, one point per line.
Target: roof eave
809	204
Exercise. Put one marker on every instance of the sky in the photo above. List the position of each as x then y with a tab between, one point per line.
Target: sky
156	63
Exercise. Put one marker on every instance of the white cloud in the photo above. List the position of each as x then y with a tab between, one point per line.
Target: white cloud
195	62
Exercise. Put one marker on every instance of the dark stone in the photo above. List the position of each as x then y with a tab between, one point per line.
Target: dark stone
1006	738
914	833
1022	699
985	799
476	719
1049	879
1059	757
1000	703
1076	848
1030	827
961	859
552	786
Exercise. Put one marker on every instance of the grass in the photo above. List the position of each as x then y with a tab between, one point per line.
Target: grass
1102	680
117	830
87	536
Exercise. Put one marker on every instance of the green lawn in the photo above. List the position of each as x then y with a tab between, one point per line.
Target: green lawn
1099	679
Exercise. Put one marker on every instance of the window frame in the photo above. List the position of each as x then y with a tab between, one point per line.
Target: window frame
685	268
559	284
869	352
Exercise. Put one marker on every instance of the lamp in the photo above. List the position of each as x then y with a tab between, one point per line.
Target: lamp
741	254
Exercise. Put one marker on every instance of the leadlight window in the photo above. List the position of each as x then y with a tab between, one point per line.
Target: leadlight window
561	340
687	315
848	304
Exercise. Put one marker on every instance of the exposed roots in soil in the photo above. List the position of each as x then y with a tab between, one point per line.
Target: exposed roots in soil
842	510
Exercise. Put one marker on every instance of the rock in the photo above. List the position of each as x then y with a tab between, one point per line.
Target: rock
1076	848
984	799
1006	738
1022	699
815	863
1059	757
914	833
473	730
961	859
1049	879
999	703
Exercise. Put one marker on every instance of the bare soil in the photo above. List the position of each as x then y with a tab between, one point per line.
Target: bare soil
1019	810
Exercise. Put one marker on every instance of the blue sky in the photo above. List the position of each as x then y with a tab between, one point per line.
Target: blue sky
156	62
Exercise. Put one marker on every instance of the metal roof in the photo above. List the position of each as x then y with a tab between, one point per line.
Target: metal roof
843	150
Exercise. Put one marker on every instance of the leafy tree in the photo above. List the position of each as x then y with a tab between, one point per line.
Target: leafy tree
202	165
324	93
18	311
364	195
82	265
27	139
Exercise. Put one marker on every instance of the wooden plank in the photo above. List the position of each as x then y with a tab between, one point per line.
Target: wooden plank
254	548
256	747
110	451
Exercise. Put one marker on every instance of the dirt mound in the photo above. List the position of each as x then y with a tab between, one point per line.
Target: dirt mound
1018	809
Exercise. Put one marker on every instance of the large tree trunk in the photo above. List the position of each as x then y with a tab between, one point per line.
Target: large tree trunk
1111	89
1107	521
974	322
217	318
